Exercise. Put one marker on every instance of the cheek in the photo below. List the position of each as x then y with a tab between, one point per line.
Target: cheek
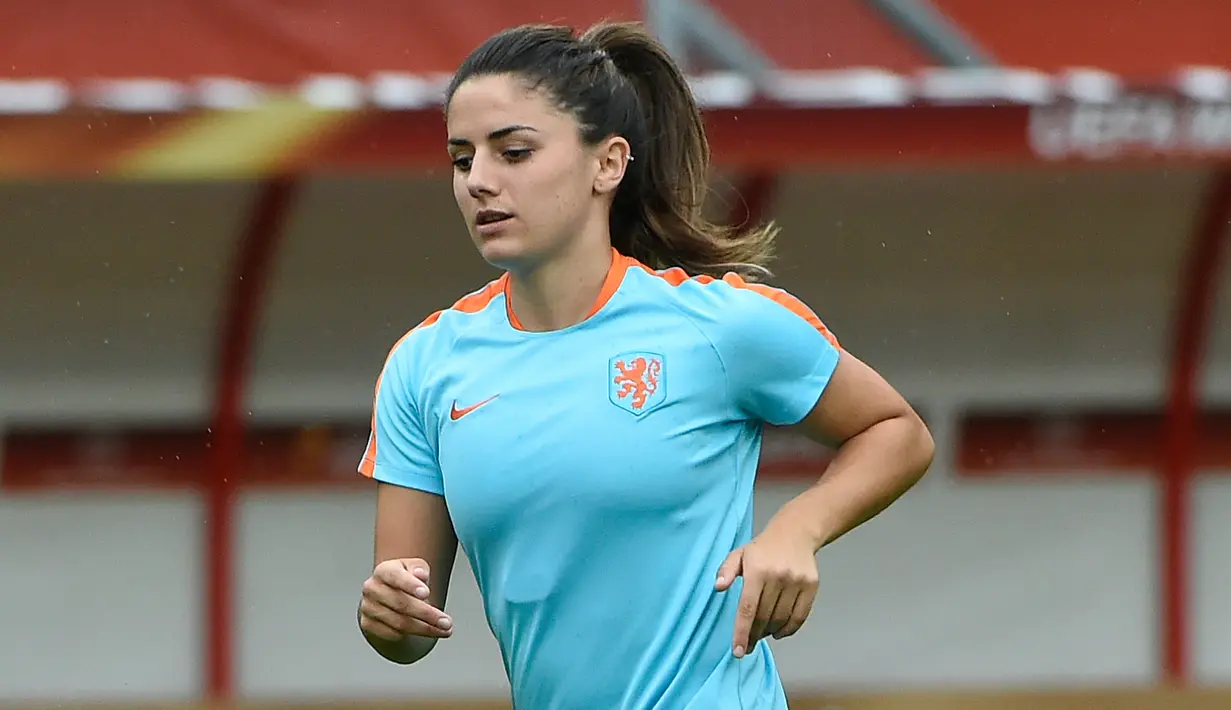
566	195
460	192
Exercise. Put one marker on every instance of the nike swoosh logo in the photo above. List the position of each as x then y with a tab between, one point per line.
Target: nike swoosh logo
456	413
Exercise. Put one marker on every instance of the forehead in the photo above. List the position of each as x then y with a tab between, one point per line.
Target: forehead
483	104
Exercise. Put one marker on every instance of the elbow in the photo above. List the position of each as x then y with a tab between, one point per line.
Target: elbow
922	448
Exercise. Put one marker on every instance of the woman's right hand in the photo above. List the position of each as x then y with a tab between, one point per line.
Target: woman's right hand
395	604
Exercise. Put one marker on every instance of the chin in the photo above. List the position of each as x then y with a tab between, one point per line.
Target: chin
502	252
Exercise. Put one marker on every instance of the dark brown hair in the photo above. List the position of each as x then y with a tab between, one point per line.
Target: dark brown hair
617	79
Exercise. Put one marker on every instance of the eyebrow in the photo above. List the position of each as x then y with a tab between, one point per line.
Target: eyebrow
494	135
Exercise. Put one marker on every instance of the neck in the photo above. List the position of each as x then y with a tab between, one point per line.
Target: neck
561	292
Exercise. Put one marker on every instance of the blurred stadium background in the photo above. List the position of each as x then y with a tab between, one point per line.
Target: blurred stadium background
217	215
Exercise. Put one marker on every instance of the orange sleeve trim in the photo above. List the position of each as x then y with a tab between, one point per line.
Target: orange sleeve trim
367	466
786	300
470	303
677	276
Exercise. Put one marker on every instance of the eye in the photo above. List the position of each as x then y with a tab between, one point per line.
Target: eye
515	155
462	162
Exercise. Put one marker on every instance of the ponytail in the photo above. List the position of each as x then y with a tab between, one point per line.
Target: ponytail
660	221
617	79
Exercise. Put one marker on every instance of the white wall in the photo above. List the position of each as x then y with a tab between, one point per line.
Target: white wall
962	288
99	597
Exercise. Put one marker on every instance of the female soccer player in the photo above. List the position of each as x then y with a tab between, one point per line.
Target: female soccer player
588	425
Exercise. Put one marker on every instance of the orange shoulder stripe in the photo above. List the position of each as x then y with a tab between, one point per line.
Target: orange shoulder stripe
786	300
470	303
677	276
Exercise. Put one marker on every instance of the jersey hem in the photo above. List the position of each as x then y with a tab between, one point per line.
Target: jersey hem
408	479
817	382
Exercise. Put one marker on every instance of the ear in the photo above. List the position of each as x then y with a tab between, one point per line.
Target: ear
612	156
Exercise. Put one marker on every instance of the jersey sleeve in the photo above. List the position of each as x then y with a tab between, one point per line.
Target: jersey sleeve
777	353
400	451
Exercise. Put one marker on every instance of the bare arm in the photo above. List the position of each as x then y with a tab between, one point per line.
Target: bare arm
412	527
884	448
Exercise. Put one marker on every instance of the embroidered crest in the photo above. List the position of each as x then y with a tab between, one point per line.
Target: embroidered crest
636	382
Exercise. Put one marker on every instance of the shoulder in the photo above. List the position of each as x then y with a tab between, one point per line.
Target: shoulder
730	306
757	301
437	334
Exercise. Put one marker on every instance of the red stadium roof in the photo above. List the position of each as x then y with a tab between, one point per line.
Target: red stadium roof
280	42
131	88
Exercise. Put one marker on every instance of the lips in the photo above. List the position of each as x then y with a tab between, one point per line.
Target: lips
490	216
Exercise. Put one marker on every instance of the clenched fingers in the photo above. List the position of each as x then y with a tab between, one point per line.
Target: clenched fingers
402	603
379	629
408	613
799	611
773	603
771	591
411	581
416	618
780	611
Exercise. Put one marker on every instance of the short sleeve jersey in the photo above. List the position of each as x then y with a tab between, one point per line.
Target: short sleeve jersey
597	476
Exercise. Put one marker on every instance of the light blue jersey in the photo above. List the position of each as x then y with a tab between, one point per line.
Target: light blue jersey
597	476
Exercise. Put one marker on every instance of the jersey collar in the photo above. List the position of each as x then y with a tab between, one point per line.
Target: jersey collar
615	276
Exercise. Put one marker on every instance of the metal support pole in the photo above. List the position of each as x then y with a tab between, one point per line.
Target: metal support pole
685	26
1199	282
245	295
930	28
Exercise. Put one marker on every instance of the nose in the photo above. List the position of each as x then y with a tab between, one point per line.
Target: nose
480	180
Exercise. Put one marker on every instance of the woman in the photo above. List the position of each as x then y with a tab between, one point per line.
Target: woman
588	426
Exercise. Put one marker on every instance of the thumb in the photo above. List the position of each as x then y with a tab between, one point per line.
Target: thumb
731	568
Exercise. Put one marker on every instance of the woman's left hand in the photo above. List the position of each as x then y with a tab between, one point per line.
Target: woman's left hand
780	582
